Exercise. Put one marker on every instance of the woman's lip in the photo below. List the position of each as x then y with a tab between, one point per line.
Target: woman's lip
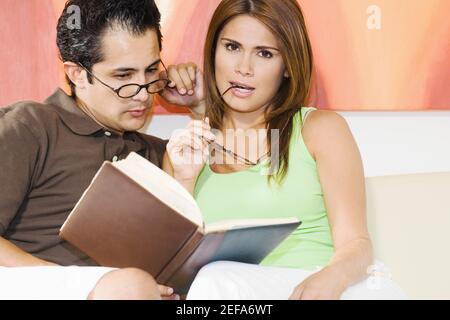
241	93
238	84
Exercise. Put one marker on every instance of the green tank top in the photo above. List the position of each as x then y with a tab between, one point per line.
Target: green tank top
247	194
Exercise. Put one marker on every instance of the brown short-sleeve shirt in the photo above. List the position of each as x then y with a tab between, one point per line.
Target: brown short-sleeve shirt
49	153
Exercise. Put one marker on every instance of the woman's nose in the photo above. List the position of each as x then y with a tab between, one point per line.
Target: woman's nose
244	66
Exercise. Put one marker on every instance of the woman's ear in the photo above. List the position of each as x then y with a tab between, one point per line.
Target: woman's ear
286	74
76	74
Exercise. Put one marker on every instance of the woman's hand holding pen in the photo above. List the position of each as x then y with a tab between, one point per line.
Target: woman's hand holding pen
188	151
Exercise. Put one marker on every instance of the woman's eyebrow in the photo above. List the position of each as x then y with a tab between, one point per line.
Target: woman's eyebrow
258	47
231	40
266	48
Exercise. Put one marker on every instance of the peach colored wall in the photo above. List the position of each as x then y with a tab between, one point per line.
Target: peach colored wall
28	56
403	65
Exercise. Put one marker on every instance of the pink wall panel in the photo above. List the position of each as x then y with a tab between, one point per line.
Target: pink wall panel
404	65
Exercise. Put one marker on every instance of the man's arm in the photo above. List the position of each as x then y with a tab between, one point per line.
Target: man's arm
19	152
186	88
13	256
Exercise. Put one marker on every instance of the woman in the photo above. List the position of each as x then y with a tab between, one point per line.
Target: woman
258	67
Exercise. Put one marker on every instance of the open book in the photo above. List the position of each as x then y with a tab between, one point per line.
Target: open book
133	214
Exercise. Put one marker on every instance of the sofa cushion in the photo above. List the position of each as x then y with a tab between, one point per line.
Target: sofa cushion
409	222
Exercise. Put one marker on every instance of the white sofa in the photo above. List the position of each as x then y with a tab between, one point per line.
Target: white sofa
406	158
409	222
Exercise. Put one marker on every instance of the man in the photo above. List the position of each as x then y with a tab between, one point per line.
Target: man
49	152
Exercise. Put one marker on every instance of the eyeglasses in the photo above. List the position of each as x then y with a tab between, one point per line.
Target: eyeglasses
132	89
234	155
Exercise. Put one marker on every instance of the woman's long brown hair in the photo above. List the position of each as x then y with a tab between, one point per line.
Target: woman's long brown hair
285	20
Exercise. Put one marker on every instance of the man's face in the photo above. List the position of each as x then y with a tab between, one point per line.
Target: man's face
126	59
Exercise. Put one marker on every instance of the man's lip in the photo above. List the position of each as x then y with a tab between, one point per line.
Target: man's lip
138	110
235	83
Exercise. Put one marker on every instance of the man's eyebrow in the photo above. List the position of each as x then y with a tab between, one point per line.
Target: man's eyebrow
134	69
124	70
258	47
154	63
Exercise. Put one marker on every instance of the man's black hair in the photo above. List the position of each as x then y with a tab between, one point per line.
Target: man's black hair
82	43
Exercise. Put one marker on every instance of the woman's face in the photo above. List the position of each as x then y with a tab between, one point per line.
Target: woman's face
248	55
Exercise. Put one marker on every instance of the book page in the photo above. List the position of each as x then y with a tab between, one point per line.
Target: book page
162	185
246	223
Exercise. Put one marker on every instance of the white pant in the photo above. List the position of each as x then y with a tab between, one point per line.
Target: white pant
225	280
49	283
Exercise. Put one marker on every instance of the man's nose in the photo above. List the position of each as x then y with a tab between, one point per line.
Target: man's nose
142	96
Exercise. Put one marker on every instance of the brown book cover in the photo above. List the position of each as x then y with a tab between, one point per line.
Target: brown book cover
135	215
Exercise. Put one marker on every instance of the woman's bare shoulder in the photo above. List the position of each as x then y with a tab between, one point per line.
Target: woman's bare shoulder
323	129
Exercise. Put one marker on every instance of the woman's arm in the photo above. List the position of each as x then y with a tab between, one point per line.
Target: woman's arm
341	175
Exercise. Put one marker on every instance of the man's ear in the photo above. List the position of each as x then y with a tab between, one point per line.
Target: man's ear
76	74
